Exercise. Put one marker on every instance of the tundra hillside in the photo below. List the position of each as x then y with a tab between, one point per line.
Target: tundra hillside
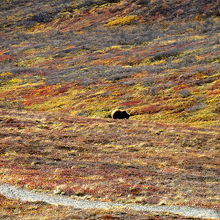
159	60
65	64
126	161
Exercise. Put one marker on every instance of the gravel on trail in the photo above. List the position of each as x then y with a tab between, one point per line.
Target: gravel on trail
22	194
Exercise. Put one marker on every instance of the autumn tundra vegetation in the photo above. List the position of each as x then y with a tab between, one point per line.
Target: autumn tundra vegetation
66	65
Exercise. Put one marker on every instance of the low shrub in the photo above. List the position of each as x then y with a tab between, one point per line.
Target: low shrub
126	20
150	109
196	107
184	93
6	75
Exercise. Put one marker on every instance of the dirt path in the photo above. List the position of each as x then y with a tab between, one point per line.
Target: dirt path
13	192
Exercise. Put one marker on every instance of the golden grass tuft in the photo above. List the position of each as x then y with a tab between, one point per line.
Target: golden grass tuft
121	21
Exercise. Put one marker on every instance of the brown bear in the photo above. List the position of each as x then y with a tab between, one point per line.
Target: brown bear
119	114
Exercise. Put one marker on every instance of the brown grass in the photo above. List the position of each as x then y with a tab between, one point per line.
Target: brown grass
125	161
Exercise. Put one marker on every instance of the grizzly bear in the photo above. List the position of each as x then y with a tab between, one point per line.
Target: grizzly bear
119	114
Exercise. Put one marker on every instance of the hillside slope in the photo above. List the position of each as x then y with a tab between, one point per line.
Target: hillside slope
128	161
65	64
157	59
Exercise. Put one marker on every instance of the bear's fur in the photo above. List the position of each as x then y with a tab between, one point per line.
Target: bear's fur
119	114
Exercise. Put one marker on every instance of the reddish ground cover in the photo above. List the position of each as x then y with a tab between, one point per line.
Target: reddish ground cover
112	160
